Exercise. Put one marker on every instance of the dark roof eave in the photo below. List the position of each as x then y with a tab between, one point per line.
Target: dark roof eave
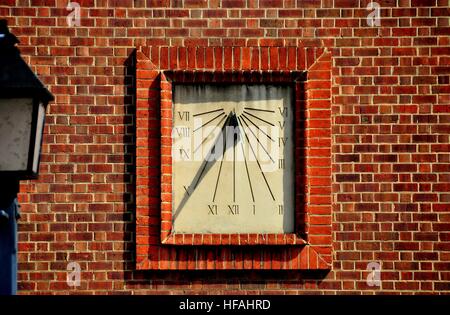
26	92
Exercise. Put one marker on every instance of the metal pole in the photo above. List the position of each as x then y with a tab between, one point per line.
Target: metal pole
9	214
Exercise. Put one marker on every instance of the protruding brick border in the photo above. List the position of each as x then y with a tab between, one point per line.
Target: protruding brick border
295	79
153	160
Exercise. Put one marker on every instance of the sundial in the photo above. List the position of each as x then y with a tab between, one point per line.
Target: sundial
233	158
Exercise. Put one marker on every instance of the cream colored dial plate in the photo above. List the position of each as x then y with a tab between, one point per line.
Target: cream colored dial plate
233	159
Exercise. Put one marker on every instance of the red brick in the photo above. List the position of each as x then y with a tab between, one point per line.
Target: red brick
390	141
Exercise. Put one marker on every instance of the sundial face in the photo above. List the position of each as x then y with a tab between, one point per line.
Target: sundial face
233	159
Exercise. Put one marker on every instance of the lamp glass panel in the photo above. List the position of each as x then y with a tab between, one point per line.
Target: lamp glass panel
15	129
39	132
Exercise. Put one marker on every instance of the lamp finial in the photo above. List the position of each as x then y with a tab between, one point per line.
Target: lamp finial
7	39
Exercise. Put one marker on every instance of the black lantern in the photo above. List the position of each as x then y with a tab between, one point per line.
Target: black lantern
23	100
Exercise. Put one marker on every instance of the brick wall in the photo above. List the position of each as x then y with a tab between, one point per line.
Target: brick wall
390	139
